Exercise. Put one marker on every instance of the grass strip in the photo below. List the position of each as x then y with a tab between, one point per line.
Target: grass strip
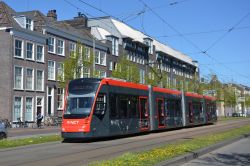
5	143
168	151
222	118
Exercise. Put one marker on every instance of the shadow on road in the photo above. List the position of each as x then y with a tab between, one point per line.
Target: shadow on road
241	159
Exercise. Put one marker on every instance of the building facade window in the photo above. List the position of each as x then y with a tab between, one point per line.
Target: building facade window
97	60
29	109
39	80
39	105
29	79
50	101
60	47
40	53
18	108
18	83
51	70
60	96
18	48
87	54
60	73
111	65
100	58
101	74
79	51
149	43
142	76
29	24
72	49
51	45
86	72
29	51
115	66
115	46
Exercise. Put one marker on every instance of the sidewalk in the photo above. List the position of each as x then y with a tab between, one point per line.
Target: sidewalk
16	133
180	160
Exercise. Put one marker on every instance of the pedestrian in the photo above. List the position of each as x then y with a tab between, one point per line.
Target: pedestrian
39	119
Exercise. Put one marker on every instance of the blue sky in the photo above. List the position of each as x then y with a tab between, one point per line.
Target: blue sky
181	26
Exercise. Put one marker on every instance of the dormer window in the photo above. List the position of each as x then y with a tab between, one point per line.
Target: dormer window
29	24
115	46
149	43
24	22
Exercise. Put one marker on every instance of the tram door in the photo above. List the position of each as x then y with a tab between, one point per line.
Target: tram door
144	117
190	112
161	112
208	112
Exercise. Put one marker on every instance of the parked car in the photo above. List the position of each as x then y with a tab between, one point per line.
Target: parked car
3	130
236	114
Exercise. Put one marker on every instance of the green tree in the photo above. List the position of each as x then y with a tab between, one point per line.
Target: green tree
229	96
193	84
154	76
73	66
126	70
247	101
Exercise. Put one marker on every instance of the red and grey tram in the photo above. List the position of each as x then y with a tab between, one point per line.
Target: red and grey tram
109	107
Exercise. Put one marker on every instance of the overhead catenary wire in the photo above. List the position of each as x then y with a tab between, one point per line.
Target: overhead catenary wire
100	10
180	34
189	41
170	26
227	32
139	12
88	14
204	32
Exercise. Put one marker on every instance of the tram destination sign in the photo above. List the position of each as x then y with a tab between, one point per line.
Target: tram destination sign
77	87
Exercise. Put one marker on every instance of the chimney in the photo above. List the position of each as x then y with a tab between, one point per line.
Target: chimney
81	19
52	15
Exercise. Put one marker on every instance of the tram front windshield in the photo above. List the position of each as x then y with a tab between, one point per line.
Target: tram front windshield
78	107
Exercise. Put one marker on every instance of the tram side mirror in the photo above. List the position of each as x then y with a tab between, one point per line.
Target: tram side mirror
99	113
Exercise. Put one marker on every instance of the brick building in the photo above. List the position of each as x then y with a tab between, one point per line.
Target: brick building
143	50
33	47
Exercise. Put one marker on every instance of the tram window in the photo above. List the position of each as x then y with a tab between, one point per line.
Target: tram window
195	109
143	106
123	110
133	107
112	106
178	108
100	106
167	107
172	108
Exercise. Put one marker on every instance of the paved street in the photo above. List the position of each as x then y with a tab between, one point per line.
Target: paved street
15	133
236	154
81	153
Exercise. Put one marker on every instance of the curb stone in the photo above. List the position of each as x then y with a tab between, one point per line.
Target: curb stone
195	154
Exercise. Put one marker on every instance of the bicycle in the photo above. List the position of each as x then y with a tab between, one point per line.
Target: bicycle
7	123
35	126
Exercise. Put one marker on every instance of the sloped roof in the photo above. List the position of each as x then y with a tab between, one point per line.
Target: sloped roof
102	33
5	15
172	52
127	31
